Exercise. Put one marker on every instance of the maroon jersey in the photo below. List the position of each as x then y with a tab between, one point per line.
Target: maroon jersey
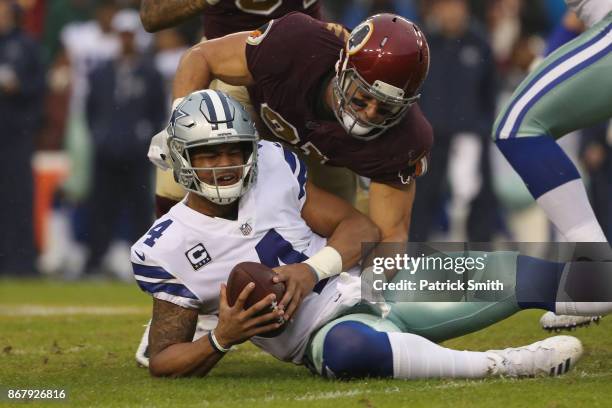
291	60
232	16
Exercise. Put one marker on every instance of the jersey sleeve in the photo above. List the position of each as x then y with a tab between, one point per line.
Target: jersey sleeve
407	149
300	173
156	280
408	174
290	172
273	48
405	171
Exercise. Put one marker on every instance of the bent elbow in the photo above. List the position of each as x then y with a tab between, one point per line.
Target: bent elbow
150	28
149	23
160	370
198	52
156	370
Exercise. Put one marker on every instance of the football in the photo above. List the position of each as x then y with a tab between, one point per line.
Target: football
261	275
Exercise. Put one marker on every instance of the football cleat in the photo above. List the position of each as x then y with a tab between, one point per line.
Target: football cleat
553	322
550	357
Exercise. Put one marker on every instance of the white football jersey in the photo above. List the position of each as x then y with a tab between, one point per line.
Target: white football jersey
186	255
590	11
87	46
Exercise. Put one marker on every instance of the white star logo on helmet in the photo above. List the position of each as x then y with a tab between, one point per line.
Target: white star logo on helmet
176	115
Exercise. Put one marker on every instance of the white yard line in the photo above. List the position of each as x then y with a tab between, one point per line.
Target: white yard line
40	310
447	385
342	394
330	395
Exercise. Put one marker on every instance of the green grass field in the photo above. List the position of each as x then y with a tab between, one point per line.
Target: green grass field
81	337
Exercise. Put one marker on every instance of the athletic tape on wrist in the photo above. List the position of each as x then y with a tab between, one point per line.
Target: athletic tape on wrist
327	262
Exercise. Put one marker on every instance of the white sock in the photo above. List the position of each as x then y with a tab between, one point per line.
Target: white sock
417	357
568	207
583	308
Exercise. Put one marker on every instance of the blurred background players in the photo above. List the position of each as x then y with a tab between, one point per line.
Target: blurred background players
170	44
222	17
459	101
21	89
596	154
125	104
362	9
84	44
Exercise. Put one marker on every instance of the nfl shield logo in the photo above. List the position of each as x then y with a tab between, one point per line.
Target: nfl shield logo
246	229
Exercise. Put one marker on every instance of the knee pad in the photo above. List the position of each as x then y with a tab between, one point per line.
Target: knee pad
354	350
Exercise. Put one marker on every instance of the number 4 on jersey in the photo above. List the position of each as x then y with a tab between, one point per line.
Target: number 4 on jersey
156	232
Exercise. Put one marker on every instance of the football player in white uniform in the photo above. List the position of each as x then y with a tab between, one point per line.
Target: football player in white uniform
538	113
249	200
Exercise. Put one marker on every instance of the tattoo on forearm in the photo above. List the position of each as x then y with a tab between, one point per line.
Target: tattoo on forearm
158	14
171	324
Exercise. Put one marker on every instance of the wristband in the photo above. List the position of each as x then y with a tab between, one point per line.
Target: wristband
215	343
327	262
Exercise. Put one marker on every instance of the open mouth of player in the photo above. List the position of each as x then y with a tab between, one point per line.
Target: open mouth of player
227	179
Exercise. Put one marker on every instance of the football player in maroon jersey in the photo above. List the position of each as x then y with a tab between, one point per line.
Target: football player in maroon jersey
346	100
221	17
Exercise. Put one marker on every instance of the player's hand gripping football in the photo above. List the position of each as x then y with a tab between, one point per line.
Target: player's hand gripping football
237	325
299	281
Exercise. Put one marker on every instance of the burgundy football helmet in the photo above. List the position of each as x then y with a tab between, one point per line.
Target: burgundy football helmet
386	58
